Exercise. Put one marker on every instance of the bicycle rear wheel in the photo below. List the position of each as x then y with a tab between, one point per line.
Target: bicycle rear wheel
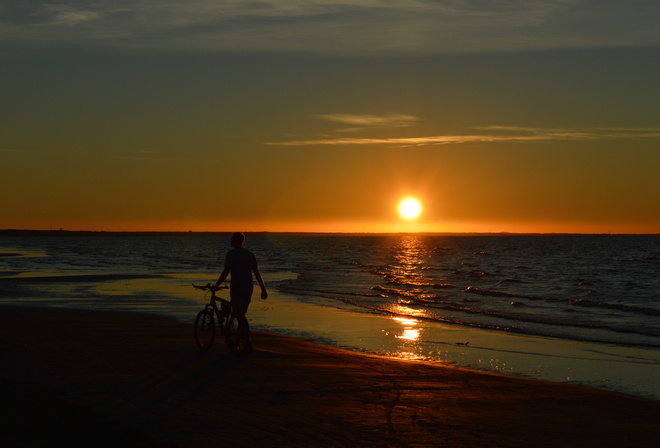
204	329
238	333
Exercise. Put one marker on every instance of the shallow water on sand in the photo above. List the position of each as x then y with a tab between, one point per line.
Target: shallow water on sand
564	308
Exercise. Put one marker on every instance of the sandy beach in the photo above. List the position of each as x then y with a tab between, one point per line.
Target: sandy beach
77	378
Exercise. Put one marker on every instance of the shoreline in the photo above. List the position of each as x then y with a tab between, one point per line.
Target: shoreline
625	369
143	372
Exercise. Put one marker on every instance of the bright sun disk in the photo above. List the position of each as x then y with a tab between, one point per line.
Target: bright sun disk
410	208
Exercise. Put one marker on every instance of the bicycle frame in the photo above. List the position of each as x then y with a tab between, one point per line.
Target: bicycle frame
230	327
222	313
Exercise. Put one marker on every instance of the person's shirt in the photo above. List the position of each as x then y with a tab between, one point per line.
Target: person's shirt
240	262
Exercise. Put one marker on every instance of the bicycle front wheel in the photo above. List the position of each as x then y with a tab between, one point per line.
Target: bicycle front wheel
238	335
204	329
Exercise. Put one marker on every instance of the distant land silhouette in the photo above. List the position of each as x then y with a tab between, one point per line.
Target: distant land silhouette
82	233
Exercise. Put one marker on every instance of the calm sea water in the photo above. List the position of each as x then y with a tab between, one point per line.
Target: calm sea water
595	288
601	289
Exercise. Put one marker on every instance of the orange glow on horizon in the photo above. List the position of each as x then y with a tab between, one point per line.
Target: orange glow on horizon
341	226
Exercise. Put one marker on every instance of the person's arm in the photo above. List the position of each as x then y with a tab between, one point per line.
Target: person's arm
223	277
260	280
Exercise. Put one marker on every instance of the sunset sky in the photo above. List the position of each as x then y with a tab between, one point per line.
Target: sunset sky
498	116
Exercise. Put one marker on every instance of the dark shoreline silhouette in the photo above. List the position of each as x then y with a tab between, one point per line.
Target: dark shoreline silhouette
82	233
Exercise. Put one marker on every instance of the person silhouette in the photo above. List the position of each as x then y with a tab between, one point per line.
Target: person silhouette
240	264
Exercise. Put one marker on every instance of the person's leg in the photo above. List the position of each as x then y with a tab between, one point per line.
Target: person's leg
240	303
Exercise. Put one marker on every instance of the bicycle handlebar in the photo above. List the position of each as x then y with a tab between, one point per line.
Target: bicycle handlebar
209	287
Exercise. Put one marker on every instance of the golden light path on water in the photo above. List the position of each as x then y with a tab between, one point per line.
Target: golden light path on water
410	332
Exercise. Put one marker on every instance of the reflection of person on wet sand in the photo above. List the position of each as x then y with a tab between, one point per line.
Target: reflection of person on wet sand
240	264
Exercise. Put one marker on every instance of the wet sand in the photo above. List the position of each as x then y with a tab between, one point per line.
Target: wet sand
69	377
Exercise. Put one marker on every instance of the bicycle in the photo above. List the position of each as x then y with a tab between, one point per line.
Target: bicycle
236	335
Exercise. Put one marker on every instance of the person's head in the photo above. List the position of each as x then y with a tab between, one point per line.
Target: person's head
237	239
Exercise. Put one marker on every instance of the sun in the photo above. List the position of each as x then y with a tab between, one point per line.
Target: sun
410	208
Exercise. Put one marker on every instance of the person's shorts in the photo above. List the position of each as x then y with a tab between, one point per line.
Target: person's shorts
240	302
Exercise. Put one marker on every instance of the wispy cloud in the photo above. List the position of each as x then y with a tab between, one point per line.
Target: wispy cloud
67	15
362	122
337	26
495	134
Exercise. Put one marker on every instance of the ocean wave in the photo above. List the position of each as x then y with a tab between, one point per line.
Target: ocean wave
507	322
615	306
288	287
495	293
586	303
477	315
416	282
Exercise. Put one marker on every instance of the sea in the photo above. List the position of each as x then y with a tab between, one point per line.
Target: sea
569	308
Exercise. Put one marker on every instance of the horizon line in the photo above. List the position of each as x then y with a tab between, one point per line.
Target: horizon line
26	232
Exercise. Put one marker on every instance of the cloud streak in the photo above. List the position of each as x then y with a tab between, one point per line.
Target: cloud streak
66	15
339	26
363	122
497	134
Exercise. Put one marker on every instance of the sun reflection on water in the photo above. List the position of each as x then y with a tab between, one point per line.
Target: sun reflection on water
410	332
411	255
406	321
403	274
